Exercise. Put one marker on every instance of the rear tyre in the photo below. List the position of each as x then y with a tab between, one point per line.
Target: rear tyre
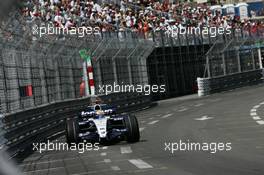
72	131
131	124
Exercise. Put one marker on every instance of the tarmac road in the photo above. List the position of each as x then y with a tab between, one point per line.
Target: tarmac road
232	117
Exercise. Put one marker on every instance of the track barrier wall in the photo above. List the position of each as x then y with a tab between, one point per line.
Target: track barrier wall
40	78
233	63
207	86
41	123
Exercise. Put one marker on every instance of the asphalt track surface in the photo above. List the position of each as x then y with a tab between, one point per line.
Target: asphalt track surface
224	117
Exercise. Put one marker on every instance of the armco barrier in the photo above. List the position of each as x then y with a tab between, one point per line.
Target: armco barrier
36	125
208	86
2	133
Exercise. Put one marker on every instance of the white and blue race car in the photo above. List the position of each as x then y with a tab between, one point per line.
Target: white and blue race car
100	123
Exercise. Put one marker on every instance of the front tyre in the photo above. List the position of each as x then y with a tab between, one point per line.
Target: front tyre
72	131
131	125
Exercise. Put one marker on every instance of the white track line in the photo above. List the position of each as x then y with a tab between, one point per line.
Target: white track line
199	104
126	150
141	129
261	122
107	160
103	154
45	169
166	116
184	109
105	147
254	115
115	168
53	161
140	163
256	118
145	108
153	122
257	106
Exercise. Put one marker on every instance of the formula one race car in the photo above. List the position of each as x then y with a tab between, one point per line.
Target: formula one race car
100	123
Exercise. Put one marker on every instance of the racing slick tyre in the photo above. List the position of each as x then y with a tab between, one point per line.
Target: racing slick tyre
72	131
131	124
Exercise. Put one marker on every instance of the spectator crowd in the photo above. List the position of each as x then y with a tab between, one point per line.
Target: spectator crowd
141	16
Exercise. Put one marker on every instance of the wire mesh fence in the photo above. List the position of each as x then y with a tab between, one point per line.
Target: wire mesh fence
39	70
243	52
36	70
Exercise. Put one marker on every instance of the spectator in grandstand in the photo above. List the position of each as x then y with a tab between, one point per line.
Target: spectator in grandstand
142	16
253	14
261	12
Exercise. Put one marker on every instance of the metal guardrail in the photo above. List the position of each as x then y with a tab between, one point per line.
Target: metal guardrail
208	86
38	124
2	133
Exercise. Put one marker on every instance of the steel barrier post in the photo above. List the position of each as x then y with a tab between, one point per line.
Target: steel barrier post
224	63
260	58
114	69
129	70
99	73
58	82
114	65
253	60
208	66
238	61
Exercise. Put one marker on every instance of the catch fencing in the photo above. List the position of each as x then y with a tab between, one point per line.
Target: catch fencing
178	60
233	63
35	70
239	54
41	78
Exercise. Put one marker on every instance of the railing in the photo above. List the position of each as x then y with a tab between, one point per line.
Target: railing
2	133
234	56
207	86
41	123
36	70
40	79
163	38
